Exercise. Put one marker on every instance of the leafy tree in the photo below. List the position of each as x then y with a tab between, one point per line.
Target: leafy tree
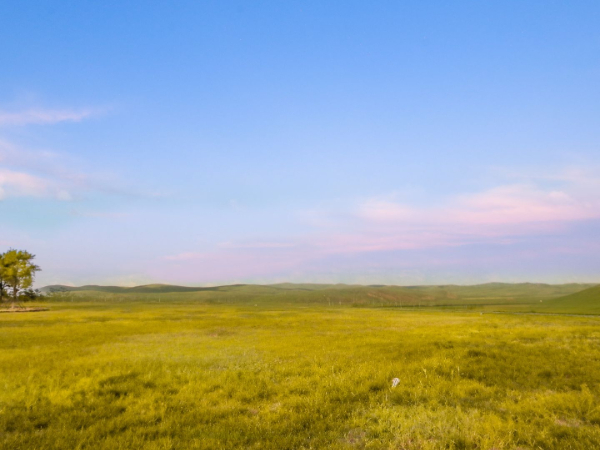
30	294
18	271
3	283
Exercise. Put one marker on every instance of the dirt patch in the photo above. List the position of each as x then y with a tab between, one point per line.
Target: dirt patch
17	310
356	438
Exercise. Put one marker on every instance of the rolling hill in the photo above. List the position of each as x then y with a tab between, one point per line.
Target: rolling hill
335	294
583	302
143	289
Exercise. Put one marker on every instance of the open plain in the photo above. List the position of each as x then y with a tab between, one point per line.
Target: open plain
298	367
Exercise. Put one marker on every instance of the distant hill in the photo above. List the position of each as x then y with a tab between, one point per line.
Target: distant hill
339	294
144	289
583	302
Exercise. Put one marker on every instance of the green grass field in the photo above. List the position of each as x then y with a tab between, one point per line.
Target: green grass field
339	294
292	367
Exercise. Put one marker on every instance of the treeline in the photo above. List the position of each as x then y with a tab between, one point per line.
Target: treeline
17	272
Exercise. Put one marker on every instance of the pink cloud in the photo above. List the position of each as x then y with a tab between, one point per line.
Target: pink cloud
49	174
21	184
518	204
496	215
39	174
502	215
512	204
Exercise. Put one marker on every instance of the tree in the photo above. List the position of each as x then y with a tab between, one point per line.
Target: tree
18	271
30	294
3	284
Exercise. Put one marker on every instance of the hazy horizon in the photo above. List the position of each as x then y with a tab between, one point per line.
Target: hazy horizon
300	284
224	142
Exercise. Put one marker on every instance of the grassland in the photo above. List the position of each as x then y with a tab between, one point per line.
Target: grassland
290	367
337	294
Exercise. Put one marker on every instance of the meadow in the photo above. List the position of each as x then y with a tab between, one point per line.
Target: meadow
308	368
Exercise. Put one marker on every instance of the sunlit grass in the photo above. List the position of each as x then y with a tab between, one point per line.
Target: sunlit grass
191	375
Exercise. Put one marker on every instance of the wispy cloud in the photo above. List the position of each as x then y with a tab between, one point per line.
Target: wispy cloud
51	174
502	205
40	116
20	184
495	215
39	173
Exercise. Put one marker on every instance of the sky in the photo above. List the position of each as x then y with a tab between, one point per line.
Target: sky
384	142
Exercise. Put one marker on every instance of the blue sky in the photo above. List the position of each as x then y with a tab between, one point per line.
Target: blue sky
364	142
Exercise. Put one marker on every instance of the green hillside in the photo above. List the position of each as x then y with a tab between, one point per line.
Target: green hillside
583	302
330	294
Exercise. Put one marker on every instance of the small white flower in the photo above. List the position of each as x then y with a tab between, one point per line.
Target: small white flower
395	382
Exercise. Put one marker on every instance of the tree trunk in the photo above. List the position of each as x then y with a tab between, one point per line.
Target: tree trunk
15	296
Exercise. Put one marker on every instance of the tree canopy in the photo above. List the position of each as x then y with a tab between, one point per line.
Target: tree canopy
17	272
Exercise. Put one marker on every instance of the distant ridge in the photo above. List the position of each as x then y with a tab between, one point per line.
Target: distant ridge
170	288
538	297
143	289
507	290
